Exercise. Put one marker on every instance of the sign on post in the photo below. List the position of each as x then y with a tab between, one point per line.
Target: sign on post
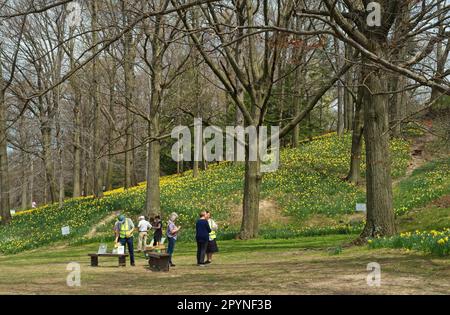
12	212
361	207
65	230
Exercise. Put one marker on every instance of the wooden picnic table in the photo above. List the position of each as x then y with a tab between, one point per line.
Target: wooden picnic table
121	257
158	261
157	256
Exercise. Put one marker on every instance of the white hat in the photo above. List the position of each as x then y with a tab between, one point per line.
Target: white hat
141	217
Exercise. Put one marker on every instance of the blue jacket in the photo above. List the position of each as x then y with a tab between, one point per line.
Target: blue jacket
202	228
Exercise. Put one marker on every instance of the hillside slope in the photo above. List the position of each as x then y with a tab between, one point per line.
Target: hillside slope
308	185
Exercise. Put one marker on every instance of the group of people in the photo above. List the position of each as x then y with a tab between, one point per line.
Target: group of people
144	227
206	229
206	238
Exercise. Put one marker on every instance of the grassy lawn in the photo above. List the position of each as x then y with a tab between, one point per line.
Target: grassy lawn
294	266
427	218
427	183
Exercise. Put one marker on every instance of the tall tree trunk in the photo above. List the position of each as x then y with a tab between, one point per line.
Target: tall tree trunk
59	135
109	170
31	180
398	104
349	109
238	118
252	184
129	80
48	158
46	116
153	203
96	163
24	162
340	90
252	188
134	170
109	159
197	91
300	74
153	206
60	165
24	195
112	76
380	215
84	154
297	110
4	169
76	167
238	55
358	125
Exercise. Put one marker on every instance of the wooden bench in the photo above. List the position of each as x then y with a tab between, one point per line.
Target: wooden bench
158	261
122	258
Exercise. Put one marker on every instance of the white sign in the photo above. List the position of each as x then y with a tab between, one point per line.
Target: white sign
65	230
121	250
102	249
361	207
13	212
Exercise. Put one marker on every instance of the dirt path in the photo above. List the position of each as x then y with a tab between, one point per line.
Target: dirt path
269	212
419	154
106	220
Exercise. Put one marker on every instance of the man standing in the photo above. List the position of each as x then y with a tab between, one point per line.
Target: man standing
202	236
124	229
143	227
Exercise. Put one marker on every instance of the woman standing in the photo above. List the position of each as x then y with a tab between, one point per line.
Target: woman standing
212	244
172	232
157	226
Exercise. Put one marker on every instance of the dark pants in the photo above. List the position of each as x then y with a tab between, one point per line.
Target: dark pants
129	244
171	248
157	238
201	251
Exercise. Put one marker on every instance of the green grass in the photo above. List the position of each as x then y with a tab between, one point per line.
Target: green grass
426	184
307	183
427	218
310	178
183	248
304	265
